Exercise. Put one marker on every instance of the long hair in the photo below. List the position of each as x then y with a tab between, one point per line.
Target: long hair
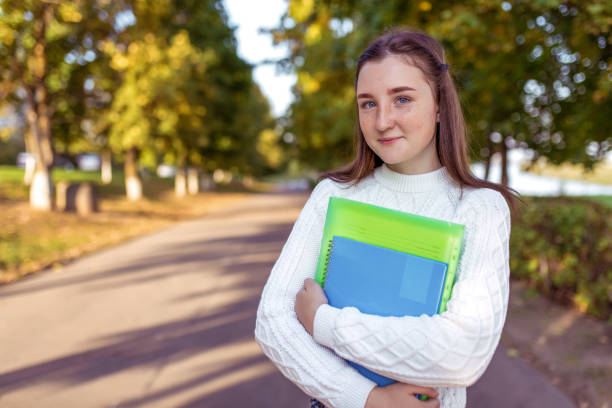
427	54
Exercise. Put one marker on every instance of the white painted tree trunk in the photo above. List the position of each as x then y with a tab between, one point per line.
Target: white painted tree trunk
180	183
133	188
30	169
133	184
41	191
106	168
193	180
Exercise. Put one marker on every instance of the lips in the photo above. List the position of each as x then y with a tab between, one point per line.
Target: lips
388	140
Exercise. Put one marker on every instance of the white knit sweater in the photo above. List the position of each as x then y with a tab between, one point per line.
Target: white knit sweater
447	351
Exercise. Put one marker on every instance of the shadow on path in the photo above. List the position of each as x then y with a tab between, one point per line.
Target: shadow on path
214	343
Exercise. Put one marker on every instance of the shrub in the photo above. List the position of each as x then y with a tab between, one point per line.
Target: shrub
563	246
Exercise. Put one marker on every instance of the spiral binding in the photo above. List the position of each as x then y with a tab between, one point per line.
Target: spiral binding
330	246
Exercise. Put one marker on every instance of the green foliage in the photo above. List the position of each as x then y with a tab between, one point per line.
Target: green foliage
71	32
564	247
184	96
607	200
12	187
162	77
9	151
531	72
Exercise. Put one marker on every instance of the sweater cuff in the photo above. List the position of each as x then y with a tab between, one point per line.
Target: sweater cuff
358	388
323	327
357	391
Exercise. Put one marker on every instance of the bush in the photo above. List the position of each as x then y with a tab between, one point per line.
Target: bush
563	246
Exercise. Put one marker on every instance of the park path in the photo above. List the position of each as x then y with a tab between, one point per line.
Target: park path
167	320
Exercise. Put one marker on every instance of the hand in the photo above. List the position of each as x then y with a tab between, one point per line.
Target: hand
401	395
307	301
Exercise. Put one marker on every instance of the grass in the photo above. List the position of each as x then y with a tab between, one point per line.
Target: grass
601	173
12	186
607	200
33	240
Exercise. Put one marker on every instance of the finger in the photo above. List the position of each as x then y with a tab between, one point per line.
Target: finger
430	392
432	403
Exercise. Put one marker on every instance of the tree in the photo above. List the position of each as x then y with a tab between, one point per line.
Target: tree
37	38
519	67
183	90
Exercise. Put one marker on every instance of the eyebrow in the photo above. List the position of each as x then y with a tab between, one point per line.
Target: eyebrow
390	91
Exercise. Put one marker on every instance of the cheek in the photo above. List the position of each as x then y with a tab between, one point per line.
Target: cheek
365	124
419	121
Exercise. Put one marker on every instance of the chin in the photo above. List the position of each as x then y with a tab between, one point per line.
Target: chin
392	160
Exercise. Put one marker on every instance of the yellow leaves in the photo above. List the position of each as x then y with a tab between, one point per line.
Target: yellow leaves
300	10
119	62
308	83
134	48
195	158
181	39
142	100
7	35
200	110
582	302
69	12
348	94
267	146
224	143
425	6
313	34
132	136
168	121
317	140
107	47
183	108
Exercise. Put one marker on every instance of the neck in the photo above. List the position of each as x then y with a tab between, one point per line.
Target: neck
414	169
437	179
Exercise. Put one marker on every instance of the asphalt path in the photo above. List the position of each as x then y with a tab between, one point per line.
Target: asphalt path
167	320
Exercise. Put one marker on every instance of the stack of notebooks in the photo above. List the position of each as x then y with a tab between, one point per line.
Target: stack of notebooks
386	262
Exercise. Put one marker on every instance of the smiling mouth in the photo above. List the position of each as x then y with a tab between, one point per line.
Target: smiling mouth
389	140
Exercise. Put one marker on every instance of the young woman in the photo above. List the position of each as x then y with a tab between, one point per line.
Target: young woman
411	156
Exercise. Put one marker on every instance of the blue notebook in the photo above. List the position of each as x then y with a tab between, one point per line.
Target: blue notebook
382	282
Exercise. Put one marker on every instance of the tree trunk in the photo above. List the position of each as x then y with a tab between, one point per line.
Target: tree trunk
41	190
193	180
491	150
39	118
133	184
180	186
30	163
504	163
106	167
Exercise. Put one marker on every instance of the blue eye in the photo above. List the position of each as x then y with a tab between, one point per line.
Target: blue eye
368	105
403	99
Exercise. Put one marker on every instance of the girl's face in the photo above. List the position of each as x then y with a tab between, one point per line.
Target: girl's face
397	115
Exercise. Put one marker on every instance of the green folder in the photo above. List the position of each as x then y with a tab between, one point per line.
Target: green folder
414	234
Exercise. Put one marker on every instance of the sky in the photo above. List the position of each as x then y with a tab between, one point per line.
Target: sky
254	47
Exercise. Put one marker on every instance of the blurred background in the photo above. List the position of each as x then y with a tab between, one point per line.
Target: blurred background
120	117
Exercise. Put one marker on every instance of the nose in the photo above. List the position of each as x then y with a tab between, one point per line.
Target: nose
384	118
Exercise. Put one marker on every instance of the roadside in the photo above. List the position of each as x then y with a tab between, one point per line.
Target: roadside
31	241
572	350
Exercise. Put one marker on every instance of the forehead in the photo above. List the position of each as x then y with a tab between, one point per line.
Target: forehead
390	72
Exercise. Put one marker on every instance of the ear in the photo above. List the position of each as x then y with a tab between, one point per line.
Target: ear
438	116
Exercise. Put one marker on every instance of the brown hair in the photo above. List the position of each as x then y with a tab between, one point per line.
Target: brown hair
427	54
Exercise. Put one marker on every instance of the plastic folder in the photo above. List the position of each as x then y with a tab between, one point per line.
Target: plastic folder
383	282
417	235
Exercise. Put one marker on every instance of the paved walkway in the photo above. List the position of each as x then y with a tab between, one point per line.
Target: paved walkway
167	321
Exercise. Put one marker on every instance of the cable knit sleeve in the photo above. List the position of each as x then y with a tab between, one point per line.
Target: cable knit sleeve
316	370
449	349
